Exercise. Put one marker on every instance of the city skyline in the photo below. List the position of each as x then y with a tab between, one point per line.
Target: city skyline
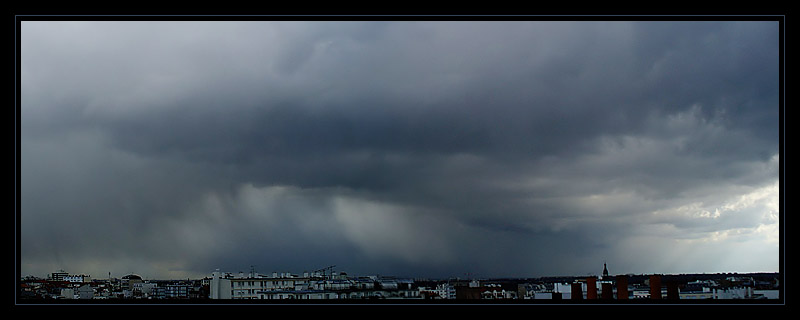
331	271
339	287
418	148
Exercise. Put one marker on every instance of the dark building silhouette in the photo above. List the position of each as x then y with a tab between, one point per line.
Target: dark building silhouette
672	290
655	286
464	292
577	292
622	287
591	288
608	291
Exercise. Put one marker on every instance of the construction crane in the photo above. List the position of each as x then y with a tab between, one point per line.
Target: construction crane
323	270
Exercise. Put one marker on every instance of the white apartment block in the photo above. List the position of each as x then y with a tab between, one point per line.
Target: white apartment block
253	286
309	286
446	291
77	278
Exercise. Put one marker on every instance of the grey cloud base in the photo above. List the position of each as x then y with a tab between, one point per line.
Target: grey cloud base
419	148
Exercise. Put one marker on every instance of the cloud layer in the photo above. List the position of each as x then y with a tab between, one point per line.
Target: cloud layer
171	149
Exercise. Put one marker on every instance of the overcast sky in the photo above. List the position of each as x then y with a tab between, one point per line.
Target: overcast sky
431	149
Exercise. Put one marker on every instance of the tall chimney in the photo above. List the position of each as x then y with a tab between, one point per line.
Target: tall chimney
655	286
622	287
591	288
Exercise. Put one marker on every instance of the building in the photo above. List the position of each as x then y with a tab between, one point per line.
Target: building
130	280
591	288
655	286
565	289
131	286
176	291
733	293
226	286
58	276
76	278
606	290
333	285
309	294
157	292
85	292
446	291
67	293
496	291
220	286
766	294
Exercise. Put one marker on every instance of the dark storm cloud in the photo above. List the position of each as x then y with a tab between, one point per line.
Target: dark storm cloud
425	146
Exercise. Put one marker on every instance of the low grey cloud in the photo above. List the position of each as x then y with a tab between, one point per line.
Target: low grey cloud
419	148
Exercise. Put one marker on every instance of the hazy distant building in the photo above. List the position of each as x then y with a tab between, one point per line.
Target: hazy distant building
67	293
733	293
446	291
85	292
77	278
58	276
176	291
132	284
766	294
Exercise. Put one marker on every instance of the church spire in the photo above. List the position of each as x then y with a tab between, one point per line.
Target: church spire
605	270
